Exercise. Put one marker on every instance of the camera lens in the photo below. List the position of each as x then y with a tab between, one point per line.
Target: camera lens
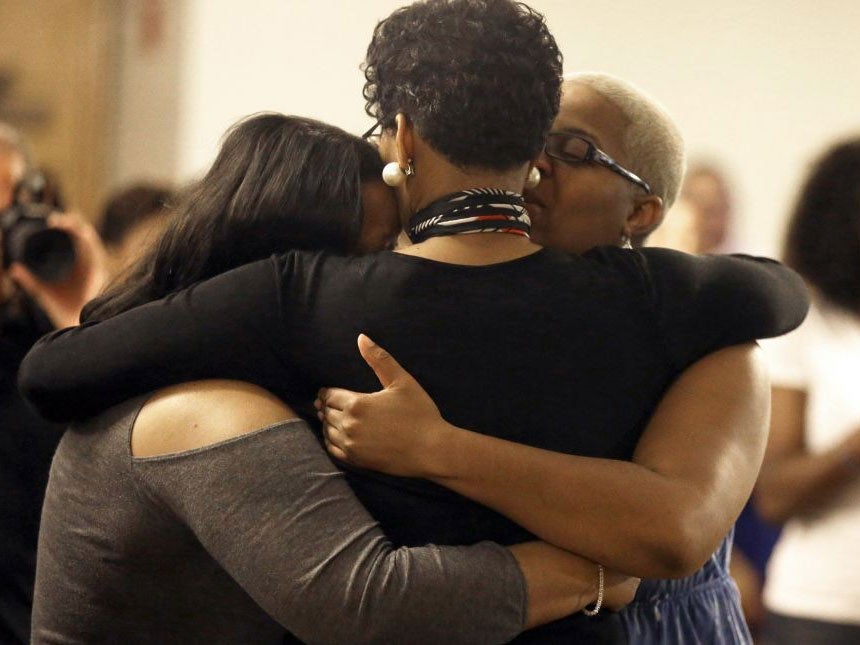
48	252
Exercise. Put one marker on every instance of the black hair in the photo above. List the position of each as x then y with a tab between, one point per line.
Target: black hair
278	183
131	206
823	239
480	79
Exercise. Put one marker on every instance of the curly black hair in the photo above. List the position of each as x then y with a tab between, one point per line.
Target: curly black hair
480	79
823	239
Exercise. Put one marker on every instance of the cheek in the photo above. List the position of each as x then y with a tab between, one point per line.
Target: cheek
381	223
5	193
374	235
584	215
577	234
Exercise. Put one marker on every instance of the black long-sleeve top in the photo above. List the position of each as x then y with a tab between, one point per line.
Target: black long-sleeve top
567	353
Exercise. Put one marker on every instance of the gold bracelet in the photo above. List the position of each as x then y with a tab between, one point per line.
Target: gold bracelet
599	603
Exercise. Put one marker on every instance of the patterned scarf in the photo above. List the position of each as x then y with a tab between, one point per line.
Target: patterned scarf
479	210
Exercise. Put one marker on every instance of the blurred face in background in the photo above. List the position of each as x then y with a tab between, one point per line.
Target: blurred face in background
710	197
136	242
11	171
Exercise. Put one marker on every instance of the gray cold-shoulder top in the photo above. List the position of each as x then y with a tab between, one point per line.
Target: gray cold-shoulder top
240	542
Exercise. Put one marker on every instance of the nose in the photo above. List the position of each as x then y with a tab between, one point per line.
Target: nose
543	164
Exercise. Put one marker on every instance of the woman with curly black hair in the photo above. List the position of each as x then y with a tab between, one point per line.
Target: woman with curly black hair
492	107
810	480
465	92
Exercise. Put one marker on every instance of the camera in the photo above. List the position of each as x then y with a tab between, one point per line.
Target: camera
48	252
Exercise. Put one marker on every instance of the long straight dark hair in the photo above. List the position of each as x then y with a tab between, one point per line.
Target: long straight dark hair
278	183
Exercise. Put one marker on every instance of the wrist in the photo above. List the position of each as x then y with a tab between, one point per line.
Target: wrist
594	608
558	583
443	452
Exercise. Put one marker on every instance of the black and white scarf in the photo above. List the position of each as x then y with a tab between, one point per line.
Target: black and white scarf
478	210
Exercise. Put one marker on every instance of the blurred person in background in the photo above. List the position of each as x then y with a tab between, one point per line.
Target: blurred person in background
707	191
810	480
22	318
132	220
29	308
702	217
36	300
27	442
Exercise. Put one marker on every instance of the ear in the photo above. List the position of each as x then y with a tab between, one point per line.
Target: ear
404	140
646	216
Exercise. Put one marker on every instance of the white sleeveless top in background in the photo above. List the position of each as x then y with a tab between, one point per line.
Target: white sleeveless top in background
814	571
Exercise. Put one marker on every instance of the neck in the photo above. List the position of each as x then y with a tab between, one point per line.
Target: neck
480	210
472	250
428	193
472	228
436	177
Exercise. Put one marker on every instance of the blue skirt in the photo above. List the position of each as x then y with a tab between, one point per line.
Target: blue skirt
703	608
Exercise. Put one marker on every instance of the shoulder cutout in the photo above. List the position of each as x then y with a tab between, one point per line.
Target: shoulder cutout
199	414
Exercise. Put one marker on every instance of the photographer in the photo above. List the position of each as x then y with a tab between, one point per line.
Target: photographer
31	306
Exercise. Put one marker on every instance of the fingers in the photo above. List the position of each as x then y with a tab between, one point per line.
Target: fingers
71	222
383	364
336	398
334	438
333	418
334	450
26	280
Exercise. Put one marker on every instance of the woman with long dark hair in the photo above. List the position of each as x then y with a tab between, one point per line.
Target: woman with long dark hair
465	92
301	181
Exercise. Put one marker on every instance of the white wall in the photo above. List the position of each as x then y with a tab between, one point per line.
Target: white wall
149	78
759	85
294	56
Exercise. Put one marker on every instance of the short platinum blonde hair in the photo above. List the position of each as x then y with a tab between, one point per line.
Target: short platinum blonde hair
652	142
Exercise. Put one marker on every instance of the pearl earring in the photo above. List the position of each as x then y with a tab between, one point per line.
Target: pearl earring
533	178
393	175
625	241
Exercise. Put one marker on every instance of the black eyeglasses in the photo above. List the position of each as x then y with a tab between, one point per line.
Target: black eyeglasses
572	148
